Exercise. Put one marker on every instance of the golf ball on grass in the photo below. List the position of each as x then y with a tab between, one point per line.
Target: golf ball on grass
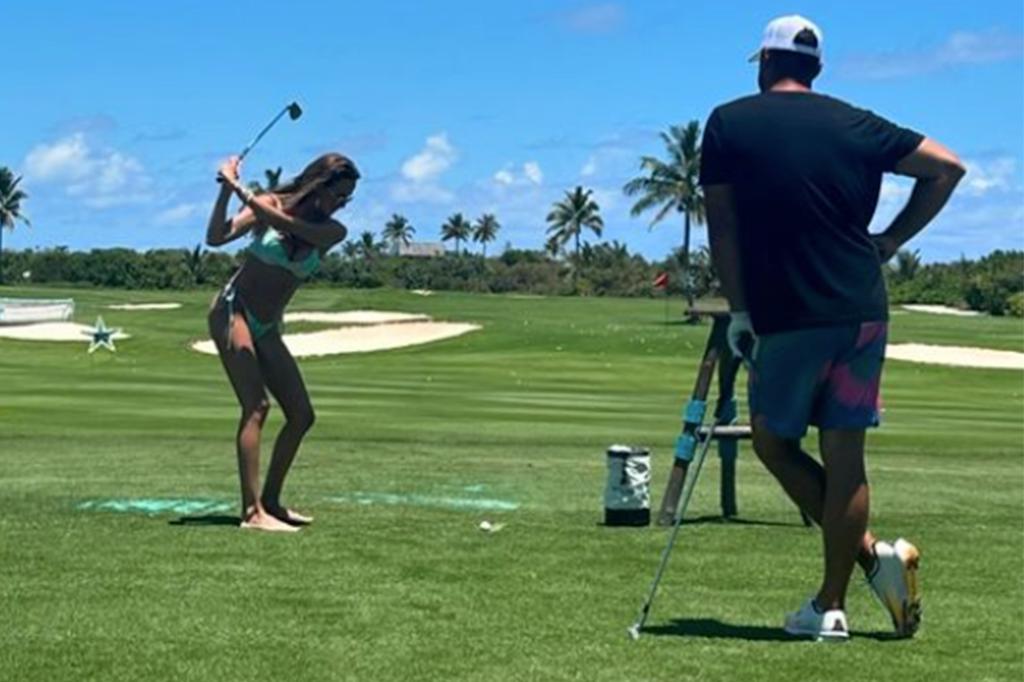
488	527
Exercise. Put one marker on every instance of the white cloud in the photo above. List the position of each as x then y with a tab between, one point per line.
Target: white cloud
984	177
100	178
67	158
422	173
531	174
437	156
894	190
589	168
179	214
504	177
602	17
960	48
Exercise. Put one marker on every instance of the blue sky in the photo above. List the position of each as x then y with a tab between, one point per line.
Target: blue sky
116	113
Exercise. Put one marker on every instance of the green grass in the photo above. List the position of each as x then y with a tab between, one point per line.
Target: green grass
520	411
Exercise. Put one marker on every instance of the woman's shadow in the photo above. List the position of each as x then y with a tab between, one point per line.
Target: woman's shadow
206	520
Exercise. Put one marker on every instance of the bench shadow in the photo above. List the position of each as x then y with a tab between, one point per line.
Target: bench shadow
710	628
206	520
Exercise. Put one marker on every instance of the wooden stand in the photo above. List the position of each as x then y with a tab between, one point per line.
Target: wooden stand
727	432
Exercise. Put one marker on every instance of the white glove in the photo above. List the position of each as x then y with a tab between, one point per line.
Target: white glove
741	334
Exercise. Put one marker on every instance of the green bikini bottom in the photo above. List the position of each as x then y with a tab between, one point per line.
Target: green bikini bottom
257	327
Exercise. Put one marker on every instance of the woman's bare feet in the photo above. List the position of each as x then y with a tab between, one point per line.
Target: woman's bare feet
285	514
263	520
289	516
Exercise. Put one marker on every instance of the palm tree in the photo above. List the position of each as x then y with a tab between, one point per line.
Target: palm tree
350	249
457	228
569	216
195	265
398	229
368	246
907	264
486	230
673	184
552	246
10	208
273	180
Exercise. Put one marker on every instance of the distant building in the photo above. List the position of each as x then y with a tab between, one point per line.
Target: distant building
421	249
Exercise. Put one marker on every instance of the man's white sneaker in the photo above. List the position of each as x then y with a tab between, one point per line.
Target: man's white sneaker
823	626
894	582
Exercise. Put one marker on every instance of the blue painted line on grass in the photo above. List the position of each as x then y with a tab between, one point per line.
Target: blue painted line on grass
415	500
155	505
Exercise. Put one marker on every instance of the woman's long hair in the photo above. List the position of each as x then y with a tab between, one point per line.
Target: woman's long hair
325	170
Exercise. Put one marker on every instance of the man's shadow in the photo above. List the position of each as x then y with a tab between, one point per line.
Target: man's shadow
206	520
709	628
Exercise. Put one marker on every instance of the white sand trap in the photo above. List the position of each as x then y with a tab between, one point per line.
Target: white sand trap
957	356
355	317
363	339
940	310
53	331
144	306
421	292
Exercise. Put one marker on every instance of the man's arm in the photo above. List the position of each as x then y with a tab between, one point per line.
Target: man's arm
723	224
938	170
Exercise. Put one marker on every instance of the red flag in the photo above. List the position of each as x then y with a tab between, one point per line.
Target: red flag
661	281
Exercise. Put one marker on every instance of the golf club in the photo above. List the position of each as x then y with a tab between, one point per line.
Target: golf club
293	110
634	630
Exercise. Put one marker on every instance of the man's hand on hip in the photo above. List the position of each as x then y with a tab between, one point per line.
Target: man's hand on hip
886	246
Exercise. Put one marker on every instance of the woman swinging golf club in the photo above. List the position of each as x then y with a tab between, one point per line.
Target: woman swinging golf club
291	229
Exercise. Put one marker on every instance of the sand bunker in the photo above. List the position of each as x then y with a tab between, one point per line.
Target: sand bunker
144	306
53	331
361	331
421	292
940	310
363	339
957	356
355	317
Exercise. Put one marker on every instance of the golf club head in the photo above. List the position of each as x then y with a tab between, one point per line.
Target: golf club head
294	111
634	632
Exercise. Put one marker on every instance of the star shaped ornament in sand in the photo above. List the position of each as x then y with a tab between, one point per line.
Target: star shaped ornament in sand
102	336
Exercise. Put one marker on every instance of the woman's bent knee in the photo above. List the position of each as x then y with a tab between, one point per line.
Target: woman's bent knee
257	411
303	420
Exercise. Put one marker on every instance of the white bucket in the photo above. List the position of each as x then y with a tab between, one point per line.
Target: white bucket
627	496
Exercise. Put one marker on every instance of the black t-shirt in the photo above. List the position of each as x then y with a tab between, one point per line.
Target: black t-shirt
806	170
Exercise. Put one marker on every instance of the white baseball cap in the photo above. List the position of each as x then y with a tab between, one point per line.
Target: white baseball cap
793	33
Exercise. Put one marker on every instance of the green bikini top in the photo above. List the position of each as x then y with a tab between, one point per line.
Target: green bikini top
270	249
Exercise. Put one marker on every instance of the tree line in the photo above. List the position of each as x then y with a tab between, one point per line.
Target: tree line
993	284
568	263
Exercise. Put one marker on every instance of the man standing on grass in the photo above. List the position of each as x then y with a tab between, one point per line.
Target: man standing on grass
791	181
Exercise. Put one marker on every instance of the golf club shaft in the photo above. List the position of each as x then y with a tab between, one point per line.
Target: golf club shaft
263	132
684	501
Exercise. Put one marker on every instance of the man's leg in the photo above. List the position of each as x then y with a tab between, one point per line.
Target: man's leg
803	479
844	517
